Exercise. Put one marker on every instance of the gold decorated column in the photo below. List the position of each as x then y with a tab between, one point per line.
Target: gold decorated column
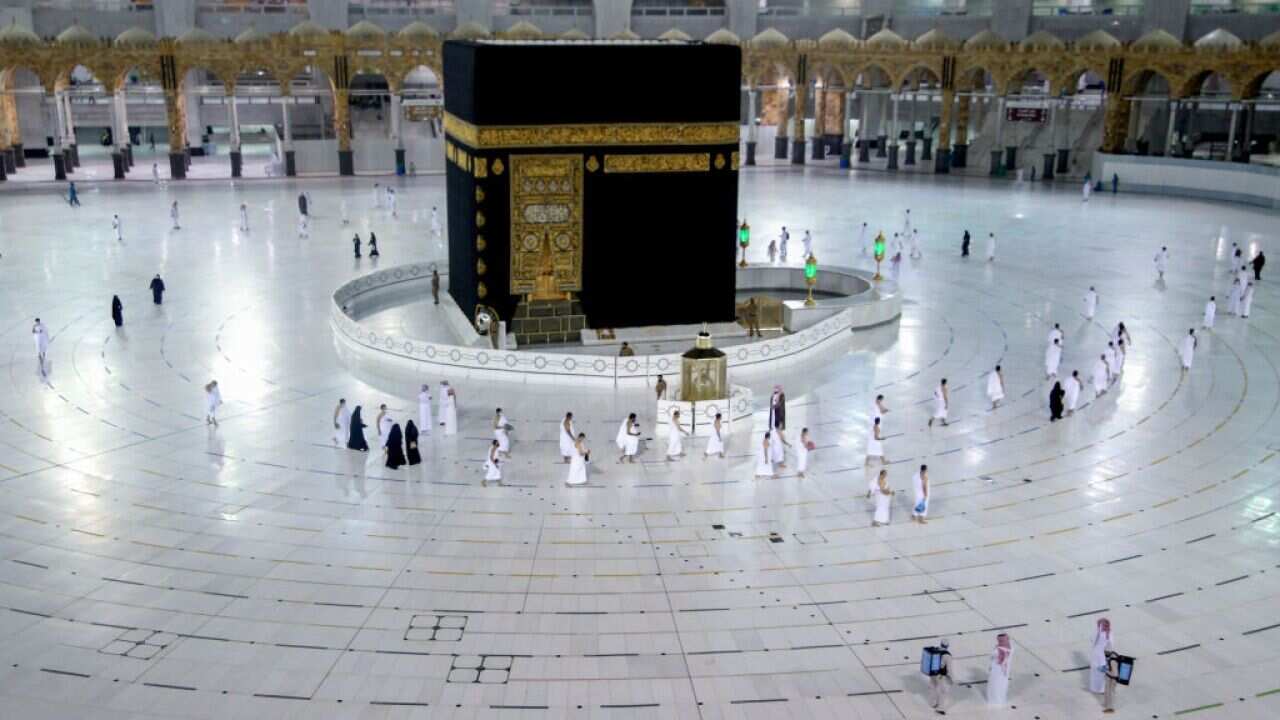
942	158
175	107
962	120
342	119
1115	129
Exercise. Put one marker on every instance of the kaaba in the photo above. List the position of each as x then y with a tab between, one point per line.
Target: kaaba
592	184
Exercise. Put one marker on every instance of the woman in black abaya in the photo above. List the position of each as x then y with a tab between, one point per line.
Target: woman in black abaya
355	440
411	443
117	310
395	447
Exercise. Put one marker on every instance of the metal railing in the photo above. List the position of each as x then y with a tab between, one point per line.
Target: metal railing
1243	7
1087	7
675	11
549	11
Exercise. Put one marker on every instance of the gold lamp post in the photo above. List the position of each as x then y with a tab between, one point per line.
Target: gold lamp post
879	252
744	239
810	277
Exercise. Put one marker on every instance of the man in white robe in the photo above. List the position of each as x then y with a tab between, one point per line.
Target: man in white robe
941	403
40	335
995	387
424	409
1246	300
1072	389
1056	334
1090	303
783	240
915	244
991	247
1233	298
807	243
383	422
1100	377
862	240
173	213
906	223
1052	358
391	201
1162	262
1210	312
1087	190
377	195
448	408
244	218
341	422
1187	349
115	225
437	231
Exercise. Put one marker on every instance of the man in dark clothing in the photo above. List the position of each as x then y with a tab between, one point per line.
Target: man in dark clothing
302	204
1258	261
435	286
964	245
157	290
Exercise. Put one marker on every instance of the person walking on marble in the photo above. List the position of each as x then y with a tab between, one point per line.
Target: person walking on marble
803	448
915	245
998	674
157	290
394	449
1187	349
355	440
906	223
772	250
1087	190
567	435
116	228
1258	262
991	247
492	465
1102	644
1100	377
940	685
391	201
764	457
1110	354
437	231
784	239
715	441
941	403
964	245
355	245
448	408
155	173
341	422
1210	313
1161	261
875	442
675	437
920	483
1246	300
1056	334
117	311
1052	359
502	432
862	240
806	243
73	197
377	196
878	408
1056	401
578	463
1121	333
424	409
40	334
995	387
1090	303
173	214
244	217
373	246
383	423
212	401
884	500
1071	389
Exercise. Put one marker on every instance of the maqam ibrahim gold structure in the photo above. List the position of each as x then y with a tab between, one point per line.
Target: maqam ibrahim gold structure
837	63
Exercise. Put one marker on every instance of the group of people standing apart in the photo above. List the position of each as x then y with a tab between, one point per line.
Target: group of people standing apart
399	446
1064	397
1104	671
879	491
771	456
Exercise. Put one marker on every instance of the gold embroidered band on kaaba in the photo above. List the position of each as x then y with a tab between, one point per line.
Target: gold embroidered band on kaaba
690	162
520	136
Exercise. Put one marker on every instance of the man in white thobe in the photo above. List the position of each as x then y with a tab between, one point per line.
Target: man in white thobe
1056	334
377	195
906	223
1162	262
41	337
424	409
115	225
1210	312
391	200
155	173
1233	298
1100	376
862	240
341	422
1087	190
1090	303
991	247
436	229
1110	355
1072	389
1052	357
173	213
915	244
807	243
1187	350
783	240
244	217
383	423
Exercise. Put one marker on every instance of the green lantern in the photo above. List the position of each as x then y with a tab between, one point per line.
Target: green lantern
879	252
810	278
744	239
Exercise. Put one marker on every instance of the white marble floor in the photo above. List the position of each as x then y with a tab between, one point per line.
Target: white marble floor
151	567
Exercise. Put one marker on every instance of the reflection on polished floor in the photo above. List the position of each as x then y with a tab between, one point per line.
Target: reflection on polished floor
152	567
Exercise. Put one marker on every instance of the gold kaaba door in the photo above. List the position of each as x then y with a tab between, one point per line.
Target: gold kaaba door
546	226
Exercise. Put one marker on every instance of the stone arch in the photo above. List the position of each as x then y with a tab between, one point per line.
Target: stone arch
1196	82
1252	86
918	71
977	77
873	74
1020	76
1139	80
1068	82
